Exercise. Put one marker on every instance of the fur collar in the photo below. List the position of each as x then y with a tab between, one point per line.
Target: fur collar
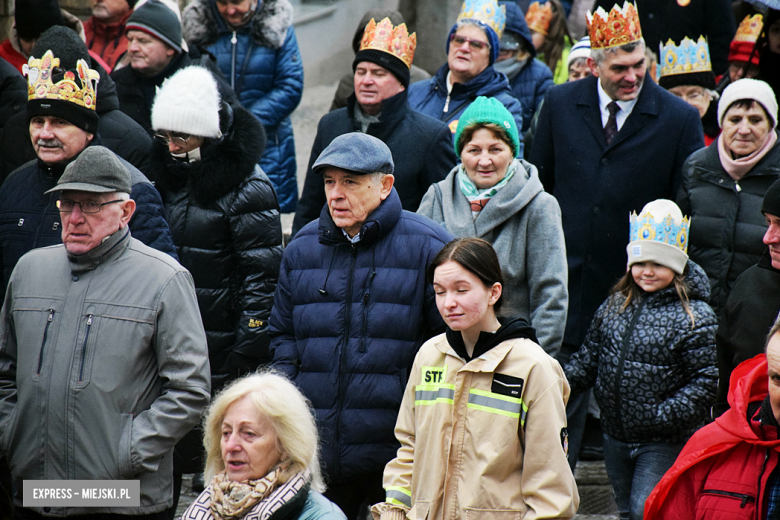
224	166
202	25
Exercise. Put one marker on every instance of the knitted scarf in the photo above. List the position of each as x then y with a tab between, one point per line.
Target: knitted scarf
477	197
233	500
738	168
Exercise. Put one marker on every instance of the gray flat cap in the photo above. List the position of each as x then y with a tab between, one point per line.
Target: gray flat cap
96	169
356	153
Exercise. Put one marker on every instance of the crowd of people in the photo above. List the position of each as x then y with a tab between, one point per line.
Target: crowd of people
476	251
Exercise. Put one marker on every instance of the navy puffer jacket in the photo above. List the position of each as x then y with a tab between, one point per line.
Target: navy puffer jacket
658	385
347	322
29	218
430	96
265	70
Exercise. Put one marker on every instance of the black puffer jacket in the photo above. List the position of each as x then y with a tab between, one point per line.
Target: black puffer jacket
118	132
224	217
726	221
13	91
654	375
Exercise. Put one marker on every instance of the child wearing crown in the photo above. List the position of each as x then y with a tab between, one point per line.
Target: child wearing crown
650	354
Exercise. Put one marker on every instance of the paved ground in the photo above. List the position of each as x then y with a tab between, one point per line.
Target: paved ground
596	502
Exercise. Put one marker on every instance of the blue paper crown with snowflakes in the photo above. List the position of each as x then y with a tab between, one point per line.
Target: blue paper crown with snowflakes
685	58
667	231
486	11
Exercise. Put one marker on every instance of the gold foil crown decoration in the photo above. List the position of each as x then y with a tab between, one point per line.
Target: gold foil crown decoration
749	29
41	86
539	17
686	58
485	11
384	37
618	27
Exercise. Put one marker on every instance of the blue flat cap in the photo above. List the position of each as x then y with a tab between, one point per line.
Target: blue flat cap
356	153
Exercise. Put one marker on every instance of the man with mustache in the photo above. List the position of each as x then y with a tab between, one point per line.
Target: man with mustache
605	146
61	127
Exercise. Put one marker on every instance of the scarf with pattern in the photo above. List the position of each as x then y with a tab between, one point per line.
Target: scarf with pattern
233	500
477	197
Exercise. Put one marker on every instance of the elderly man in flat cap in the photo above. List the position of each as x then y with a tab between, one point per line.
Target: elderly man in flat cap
103	358
352	307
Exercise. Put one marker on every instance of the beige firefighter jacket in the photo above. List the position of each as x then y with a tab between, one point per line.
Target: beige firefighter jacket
481	440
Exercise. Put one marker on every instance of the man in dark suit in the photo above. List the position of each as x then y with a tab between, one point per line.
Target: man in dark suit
605	146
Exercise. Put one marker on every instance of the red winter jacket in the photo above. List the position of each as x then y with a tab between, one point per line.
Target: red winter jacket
723	469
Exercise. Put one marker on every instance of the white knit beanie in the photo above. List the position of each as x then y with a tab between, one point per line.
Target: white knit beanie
188	102
747	88
660	235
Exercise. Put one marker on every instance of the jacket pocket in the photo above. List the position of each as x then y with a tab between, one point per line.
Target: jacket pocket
492	514
124	458
717	503
419	511
86	352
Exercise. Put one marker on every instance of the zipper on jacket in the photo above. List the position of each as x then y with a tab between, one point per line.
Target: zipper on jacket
622	362
19	221
84	348
43	343
40	224
758	487
742	497
366	298
234	41
343	359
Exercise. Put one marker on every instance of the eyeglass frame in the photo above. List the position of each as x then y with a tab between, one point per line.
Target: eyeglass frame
474	45
81	207
176	139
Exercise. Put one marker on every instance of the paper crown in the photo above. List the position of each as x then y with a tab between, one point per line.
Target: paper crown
539	17
618	27
40	85
485	11
384	37
686	58
749	29
666	231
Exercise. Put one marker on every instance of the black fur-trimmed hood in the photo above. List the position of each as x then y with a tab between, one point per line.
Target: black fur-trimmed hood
202	25
224	164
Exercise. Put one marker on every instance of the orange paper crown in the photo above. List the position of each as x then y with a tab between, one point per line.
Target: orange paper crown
618	27
749	29
539	17
40	85
384	37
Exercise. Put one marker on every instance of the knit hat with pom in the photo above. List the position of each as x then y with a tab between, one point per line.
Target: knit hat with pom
188	102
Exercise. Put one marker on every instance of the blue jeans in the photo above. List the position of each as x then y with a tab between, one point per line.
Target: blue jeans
634	469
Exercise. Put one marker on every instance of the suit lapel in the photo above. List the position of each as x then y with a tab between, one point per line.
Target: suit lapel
646	105
588	108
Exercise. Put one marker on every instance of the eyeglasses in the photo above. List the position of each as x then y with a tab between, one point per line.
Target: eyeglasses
86	206
177	139
694	95
474	45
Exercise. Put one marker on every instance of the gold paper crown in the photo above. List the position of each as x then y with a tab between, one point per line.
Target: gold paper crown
485	11
40	85
749	29
687	58
396	41
618	27
539	17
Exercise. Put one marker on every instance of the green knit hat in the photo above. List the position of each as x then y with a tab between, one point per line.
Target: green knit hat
488	110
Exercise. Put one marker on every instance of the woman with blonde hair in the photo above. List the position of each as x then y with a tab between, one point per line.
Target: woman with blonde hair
262	456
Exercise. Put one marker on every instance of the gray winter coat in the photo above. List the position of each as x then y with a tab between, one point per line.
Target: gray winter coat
100	375
524	225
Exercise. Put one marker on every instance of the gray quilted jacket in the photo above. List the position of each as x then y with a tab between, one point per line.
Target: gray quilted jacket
654	374
103	367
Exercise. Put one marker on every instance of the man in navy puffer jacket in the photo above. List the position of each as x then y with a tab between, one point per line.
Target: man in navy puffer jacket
351	309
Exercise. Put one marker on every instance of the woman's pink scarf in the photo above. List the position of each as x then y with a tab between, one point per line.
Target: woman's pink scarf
738	168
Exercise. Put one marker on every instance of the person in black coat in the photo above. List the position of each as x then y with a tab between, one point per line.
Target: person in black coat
596	183
421	146
753	304
118	132
13	91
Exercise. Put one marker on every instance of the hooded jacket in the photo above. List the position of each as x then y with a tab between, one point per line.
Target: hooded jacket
430	97
117	131
749	313
482	438
421	147
224	218
100	375
29	217
534	79
523	223
652	371
727	225
347	322
262	64
722	471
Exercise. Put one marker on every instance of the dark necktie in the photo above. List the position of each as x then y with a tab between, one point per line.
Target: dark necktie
611	129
